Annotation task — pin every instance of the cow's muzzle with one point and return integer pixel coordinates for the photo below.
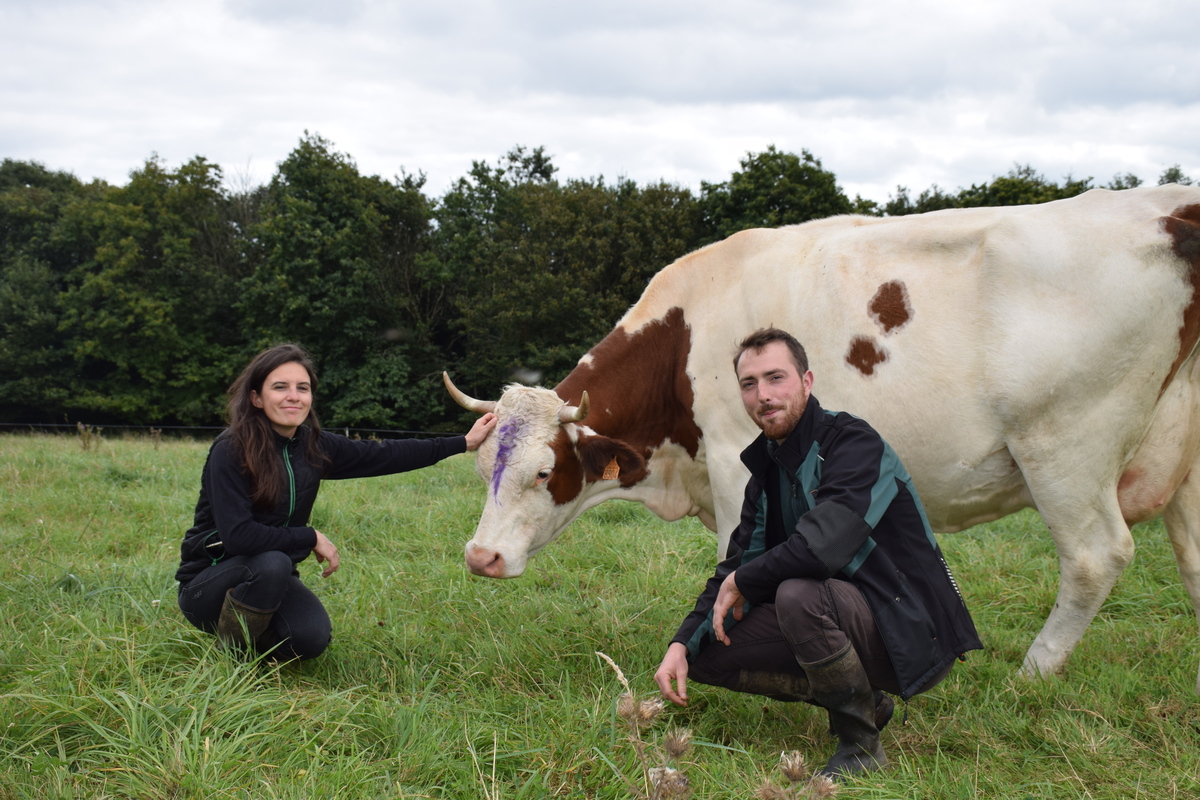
(482, 561)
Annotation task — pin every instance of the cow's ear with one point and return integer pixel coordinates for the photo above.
(609, 459)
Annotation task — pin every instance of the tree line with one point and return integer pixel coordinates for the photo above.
(139, 303)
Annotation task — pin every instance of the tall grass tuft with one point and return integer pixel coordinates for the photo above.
(439, 684)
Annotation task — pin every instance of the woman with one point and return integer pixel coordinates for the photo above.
(238, 576)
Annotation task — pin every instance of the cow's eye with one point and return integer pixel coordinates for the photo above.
(542, 476)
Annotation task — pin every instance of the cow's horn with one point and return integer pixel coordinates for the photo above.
(469, 403)
(575, 413)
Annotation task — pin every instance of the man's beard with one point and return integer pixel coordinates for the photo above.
(779, 426)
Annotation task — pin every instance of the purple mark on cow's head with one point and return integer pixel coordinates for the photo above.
(508, 434)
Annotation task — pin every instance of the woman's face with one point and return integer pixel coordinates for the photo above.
(286, 397)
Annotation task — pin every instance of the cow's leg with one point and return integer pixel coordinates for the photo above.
(1182, 518)
(1094, 548)
(727, 476)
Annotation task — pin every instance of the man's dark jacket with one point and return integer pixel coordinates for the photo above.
(853, 514)
(225, 524)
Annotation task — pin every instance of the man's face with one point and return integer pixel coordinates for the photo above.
(773, 390)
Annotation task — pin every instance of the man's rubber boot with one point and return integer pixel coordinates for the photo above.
(840, 684)
(885, 708)
(782, 686)
(239, 622)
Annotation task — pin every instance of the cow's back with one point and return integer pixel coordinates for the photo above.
(951, 332)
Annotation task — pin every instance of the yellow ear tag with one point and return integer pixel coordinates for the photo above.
(611, 471)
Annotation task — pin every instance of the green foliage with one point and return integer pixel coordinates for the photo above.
(146, 308)
(443, 685)
(932, 199)
(773, 188)
(1174, 174)
(140, 303)
(32, 352)
(115, 299)
(1021, 186)
(335, 266)
(544, 269)
(33, 266)
(1126, 181)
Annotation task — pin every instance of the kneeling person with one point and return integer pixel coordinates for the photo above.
(833, 590)
(238, 575)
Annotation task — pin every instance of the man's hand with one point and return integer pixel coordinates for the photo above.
(325, 551)
(727, 597)
(480, 430)
(674, 669)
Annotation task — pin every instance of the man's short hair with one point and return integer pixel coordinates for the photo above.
(763, 337)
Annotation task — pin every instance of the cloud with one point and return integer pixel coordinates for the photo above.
(911, 92)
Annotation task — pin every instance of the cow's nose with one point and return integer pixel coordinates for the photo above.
(482, 561)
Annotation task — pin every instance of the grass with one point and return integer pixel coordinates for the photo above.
(442, 685)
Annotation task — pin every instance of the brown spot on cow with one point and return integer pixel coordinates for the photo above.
(640, 393)
(567, 478)
(890, 307)
(1183, 226)
(864, 355)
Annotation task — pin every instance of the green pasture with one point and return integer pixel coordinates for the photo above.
(443, 685)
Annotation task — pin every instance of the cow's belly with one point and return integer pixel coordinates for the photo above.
(969, 491)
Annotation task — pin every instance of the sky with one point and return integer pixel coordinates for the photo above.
(900, 93)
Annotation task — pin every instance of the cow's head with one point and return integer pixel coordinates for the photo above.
(542, 468)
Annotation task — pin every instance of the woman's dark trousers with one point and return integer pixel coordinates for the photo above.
(299, 628)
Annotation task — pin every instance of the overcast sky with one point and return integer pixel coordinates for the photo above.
(884, 93)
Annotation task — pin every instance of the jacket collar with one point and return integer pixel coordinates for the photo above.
(300, 435)
(791, 454)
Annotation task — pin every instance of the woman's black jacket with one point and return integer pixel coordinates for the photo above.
(226, 525)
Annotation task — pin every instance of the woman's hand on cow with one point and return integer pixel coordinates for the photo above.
(672, 673)
(480, 430)
(326, 552)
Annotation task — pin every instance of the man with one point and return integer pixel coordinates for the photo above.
(833, 590)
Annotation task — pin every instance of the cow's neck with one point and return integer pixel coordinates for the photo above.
(638, 386)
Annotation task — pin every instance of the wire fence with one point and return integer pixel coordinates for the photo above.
(199, 431)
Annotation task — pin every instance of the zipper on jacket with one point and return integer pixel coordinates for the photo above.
(287, 462)
(799, 507)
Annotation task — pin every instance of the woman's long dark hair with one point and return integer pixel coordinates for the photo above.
(253, 437)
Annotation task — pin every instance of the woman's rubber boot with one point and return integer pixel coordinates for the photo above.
(840, 684)
(240, 623)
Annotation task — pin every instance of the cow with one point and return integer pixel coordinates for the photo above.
(1037, 356)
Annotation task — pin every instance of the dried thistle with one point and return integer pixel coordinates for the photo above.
(648, 711)
(660, 782)
(792, 766)
(627, 707)
(88, 436)
(669, 782)
(822, 787)
(677, 742)
(641, 713)
(769, 791)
